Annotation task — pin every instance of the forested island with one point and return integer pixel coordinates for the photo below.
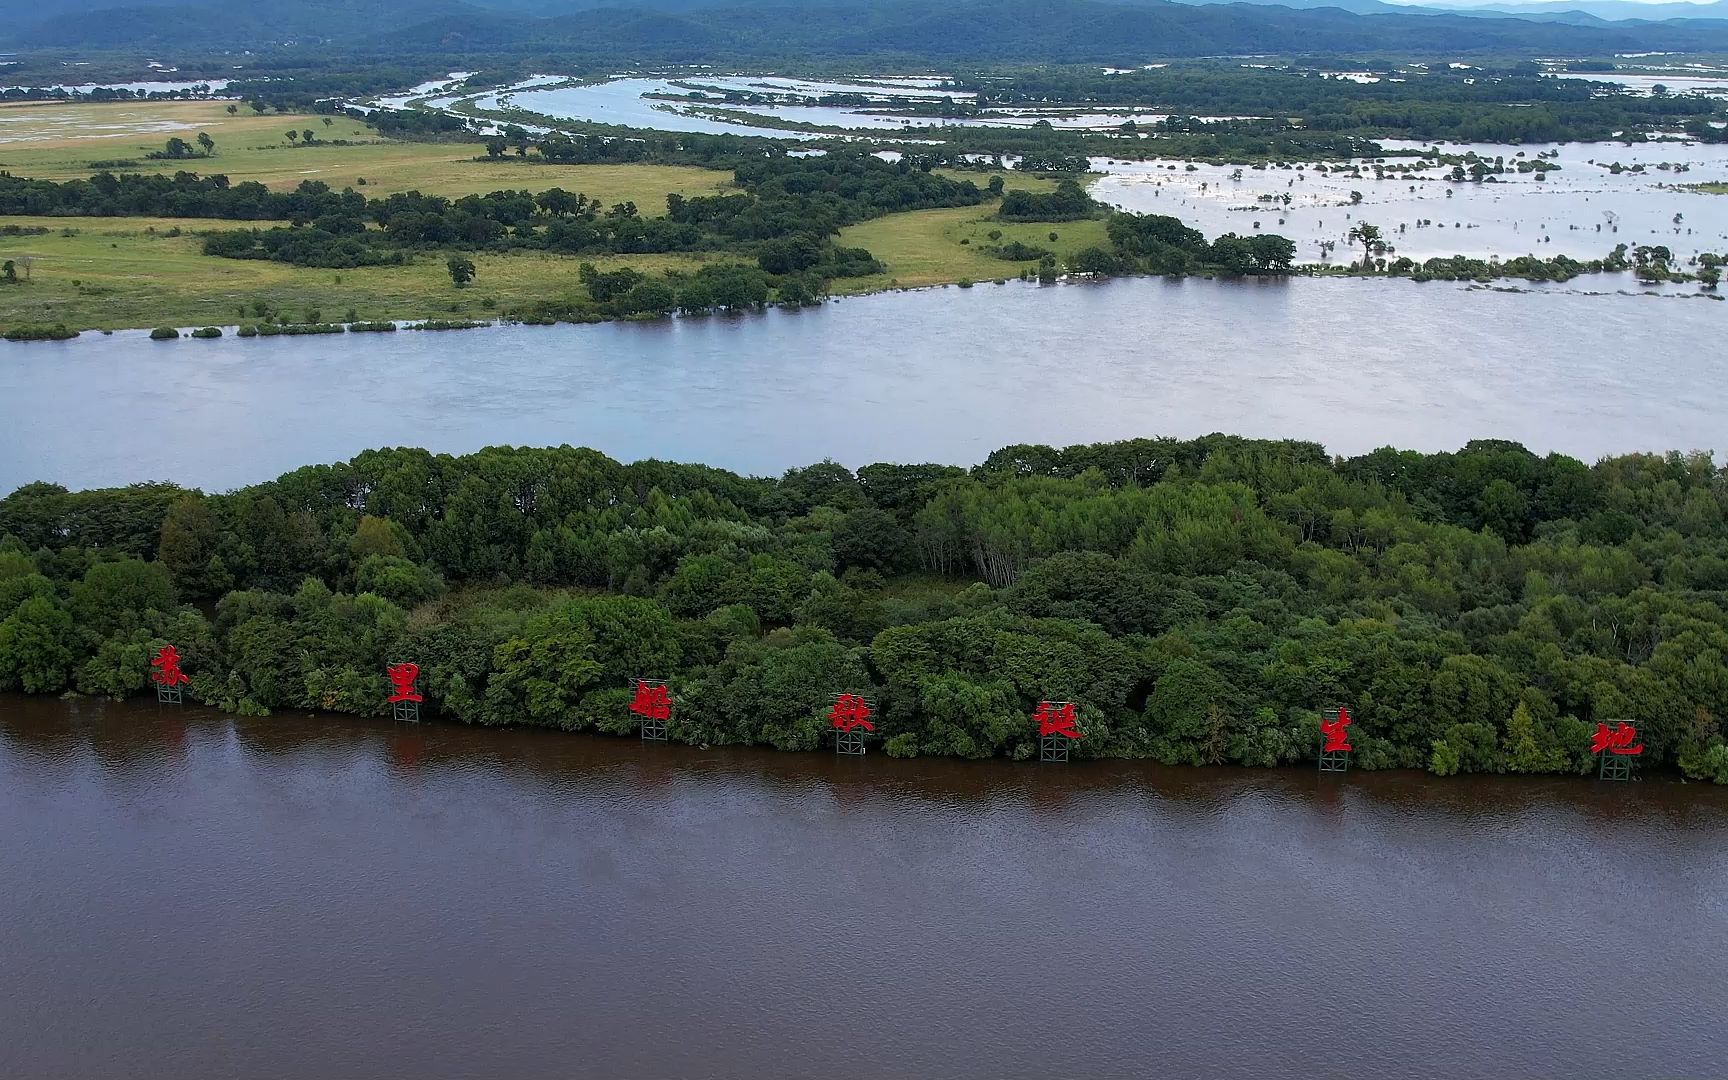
(1201, 600)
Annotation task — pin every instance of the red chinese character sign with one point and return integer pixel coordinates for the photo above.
(1615, 744)
(166, 674)
(1335, 739)
(1056, 729)
(849, 720)
(652, 703)
(404, 691)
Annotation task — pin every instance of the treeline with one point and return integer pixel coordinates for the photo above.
(1160, 244)
(1069, 202)
(786, 213)
(1201, 600)
(1514, 106)
(1063, 149)
(657, 147)
(184, 194)
(99, 94)
(1141, 243)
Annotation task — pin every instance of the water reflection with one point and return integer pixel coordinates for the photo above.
(119, 736)
(441, 901)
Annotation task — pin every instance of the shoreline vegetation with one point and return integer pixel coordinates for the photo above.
(1200, 601)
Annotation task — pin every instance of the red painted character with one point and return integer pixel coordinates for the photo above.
(1056, 719)
(1336, 731)
(850, 711)
(167, 665)
(651, 702)
(1616, 741)
(402, 678)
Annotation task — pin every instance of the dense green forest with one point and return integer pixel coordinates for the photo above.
(1200, 600)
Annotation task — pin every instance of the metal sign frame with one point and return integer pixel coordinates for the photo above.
(1616, 767)
(1053, 748)
(407, 712)
(652, 728)
(851, 743)
(1333, 761)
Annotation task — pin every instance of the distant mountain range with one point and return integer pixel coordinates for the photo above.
(1575, 12)
(676, 31)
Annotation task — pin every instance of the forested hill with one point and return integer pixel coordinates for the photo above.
(1020, 30)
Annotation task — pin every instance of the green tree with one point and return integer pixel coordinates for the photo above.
(1368, 236)
(189, 548)
(36, 647)
(461, 270)
(121, 595)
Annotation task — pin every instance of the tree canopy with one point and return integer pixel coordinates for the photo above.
(1200, 600)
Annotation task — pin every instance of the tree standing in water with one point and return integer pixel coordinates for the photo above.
(1367, 235)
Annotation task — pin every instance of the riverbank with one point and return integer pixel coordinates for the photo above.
(1193, 602)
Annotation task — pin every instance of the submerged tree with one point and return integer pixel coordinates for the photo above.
(1368, 236)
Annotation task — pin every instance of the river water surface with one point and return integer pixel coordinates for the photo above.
(186, 895)
(945, 375)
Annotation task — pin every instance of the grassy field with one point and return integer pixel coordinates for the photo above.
(924, 247)
(120, 273)
(57, 141)
(117, 273)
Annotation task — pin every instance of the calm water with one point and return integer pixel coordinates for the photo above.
(944, 375)
(185, 895)
(1581, 210)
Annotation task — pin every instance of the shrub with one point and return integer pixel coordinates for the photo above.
(40, 332)
(446, 324)
(164, 333)
(208, 332)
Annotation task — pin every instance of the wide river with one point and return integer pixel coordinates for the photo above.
(940, 375)
(186, 895)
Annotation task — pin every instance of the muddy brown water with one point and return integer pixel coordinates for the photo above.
(186, 894)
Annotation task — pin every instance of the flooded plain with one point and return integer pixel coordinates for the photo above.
(1582, 209)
